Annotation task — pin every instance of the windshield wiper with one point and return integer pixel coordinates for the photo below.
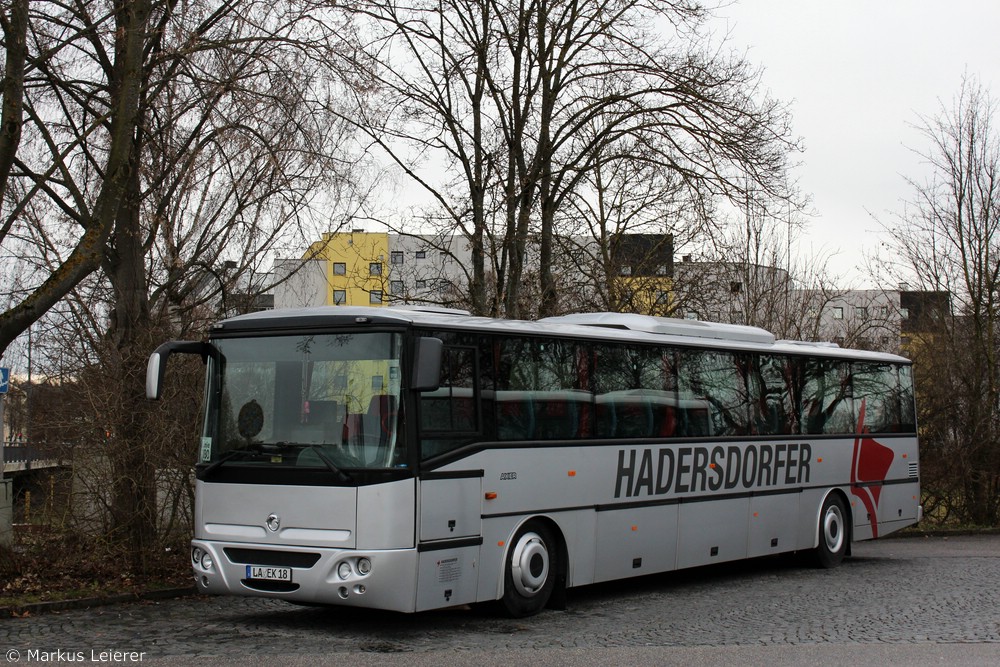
(231, 454)
(317, 449)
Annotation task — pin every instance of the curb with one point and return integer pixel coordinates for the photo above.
(942, 532)
(87, 603)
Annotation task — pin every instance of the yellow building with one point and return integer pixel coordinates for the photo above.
(356, 266)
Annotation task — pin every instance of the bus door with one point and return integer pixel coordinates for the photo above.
(450, 537)
(450, 496)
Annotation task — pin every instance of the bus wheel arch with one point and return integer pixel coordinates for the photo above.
(834, 530)
(534, 569)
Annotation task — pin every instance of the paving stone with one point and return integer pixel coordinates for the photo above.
(891, 591)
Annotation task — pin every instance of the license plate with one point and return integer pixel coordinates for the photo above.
(269, 573)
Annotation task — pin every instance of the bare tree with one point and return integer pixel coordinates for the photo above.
(502, 113)
(228, 145)
(948, 240)
(106, 112)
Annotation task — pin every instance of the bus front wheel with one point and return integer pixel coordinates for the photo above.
(530, 571)
(834, 533)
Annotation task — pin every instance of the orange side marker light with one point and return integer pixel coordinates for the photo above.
(491, 495)
(571, 473)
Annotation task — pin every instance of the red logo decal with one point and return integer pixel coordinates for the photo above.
(870, 464)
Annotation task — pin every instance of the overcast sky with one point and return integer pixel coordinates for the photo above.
(858, 75)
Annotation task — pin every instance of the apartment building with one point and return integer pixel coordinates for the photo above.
(373, 268)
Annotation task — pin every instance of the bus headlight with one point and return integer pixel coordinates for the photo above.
(202, 558)
(364, 566)
(344, 570)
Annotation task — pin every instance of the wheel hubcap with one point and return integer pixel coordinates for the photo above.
(529, 564)
(833, 529)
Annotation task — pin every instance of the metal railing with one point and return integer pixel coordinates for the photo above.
(27, 456)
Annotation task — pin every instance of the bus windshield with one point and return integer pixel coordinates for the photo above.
(317, 400)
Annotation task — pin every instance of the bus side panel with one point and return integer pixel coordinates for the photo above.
(774, 521)
(450, 508)
(447, 577)
(496, 533)
(386, 513)
(712, 531)
(898, 506)
(636, 541)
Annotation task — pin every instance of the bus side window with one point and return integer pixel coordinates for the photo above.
(515, 415)
(827, 403)
(907, 409)
(773, 404)
(878, 387)
(449, 414)
(717, 379)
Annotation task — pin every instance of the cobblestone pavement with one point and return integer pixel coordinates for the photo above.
(931, 590)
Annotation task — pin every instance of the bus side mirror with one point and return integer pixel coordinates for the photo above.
(427, 364)
(157, 365)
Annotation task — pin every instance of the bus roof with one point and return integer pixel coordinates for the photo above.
(623, 327)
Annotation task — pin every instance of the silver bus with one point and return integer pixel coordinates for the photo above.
(410, 459)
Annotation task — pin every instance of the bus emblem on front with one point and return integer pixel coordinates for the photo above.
(273, 522)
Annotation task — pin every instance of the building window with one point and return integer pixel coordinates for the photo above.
(838, 313)
(396, 257)
(378, 382)
(375, 296)
(375, 268)
(420, 254)
(691, 315)
(396, 287)
(339, 269)
(339, 297)
(861, 312)
(421, 284)
(625, 271)
(662, 298)
(735, 287)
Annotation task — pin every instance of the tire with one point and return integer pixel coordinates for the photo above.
(834, 532)
(530, 570)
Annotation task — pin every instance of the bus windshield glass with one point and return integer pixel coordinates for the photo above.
(317, 400)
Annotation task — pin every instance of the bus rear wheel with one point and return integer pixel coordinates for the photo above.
(834, 534)
(530, 571)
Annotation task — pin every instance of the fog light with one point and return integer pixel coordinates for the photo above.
(344, 570)
(364, 566)
(207, 562)
(196, 555)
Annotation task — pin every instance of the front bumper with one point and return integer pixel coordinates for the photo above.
(317, 574)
